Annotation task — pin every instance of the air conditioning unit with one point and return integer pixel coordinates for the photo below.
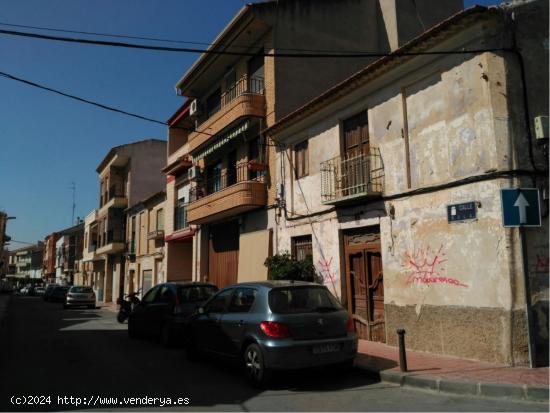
(194, 173)
(194, 108)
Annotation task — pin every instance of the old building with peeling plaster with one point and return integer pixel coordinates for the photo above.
(370, 170)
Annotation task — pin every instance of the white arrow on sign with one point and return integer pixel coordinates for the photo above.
(522, 204)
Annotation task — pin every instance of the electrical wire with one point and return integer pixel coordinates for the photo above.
(91, 102)
(157, 39)
(234, 53)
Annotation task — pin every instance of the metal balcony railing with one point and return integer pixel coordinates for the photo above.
(348, 177)
(245, 85)
(220, 180)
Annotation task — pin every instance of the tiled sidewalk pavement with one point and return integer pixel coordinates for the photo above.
(454, 375)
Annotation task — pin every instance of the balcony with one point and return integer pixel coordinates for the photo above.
(346, 179)
(113, 199)
(113, 244)
(227, 194)
(156, 234)
(245, 98)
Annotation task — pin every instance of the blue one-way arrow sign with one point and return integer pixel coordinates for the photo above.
(520, 207)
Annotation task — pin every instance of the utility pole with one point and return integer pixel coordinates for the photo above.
(73, 187)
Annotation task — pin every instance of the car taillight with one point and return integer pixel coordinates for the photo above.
(350, 327)
(275, 329)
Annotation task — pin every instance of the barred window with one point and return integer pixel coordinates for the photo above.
(302, 247)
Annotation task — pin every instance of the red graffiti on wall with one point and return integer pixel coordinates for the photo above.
(543, 263)
(325, 269)
(425, 266)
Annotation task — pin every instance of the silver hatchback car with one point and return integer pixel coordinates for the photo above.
(273, 325)
(79, 295)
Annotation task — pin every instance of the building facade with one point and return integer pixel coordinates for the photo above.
(146, 246)
(26, 262)
(392, 183)
(220, 165)
(128, 174)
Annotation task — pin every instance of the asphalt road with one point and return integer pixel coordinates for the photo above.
(53, 354)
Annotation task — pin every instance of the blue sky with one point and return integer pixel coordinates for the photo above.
(48, 141)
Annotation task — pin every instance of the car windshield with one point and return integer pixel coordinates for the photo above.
(196, 293)
(81, 290)
(293, 300)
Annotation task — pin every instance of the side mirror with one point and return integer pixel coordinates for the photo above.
(201, 310)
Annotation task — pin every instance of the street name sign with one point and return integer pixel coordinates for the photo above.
(520, 207)
(461, 212)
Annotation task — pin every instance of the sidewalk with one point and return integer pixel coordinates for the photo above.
(454, 375)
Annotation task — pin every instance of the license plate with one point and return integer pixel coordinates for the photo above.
(326, 348)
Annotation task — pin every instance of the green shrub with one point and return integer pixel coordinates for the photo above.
(285, 267)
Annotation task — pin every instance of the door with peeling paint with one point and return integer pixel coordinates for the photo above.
(365, 284)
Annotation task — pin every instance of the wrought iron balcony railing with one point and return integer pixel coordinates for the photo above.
(221, 180)
(345, 178)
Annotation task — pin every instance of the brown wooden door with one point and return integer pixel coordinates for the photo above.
(365, 283)
(354, 167)
(223, 254)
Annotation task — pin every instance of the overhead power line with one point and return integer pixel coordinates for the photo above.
(91, 102)
(154, 39)
(235, 53)
(83, 100)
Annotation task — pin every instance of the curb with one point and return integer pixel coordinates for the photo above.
(521, 392)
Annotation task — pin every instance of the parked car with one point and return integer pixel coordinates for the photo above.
(273, 325)
(79, 296)
(39, 291)
(48, 292)
(164, 308)
(58, 293)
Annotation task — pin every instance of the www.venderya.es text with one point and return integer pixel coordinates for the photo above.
(95, 400)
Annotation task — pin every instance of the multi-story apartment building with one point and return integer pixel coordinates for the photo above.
(68, 251)
(49, 258)
(26, 262)
(145, 244)
(219, 168)
(393, 184)
(128, 174)
(62, 249)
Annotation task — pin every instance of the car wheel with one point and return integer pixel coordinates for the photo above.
(256, 372)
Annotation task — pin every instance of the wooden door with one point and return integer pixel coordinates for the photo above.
(365, 282)
(223, 254)
(354, 167)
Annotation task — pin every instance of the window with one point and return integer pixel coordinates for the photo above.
(166, 295)
(133, 236)
(197, 293)
(181, 211)
(242, 300)
(160, 220)
(294, 300)
(219, 302)
(150, 296)
(301, 247)
(147, 280)
(301, 161)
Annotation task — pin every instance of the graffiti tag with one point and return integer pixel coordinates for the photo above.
(325, 270)
(543, 263)
(426, 266)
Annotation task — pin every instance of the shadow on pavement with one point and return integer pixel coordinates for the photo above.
(86, 354)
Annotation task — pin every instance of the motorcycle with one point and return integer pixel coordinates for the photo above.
(127, 306)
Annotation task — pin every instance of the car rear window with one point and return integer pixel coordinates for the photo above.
(81, 289)
(294, 300)
(196, 293)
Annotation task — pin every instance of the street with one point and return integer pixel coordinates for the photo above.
(57, 354)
